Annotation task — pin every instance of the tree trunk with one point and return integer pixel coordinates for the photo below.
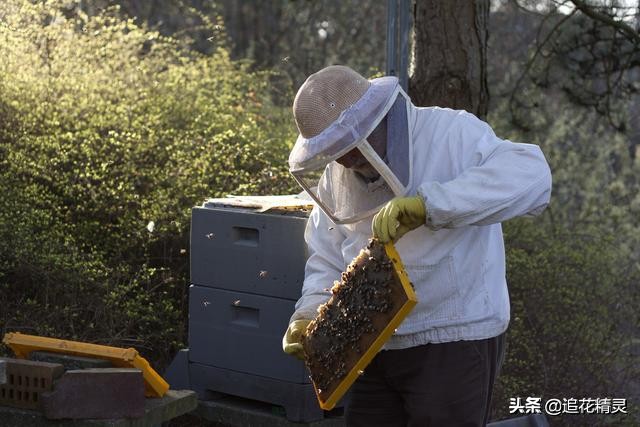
(449, 58)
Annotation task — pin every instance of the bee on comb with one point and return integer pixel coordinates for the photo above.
(369, 302)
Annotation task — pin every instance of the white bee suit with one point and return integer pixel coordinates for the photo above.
(470, 180)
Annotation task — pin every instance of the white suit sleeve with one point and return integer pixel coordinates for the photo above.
(495, 179)
(324, 265)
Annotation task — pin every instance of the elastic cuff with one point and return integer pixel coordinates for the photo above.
(428, 220)
(305, 314)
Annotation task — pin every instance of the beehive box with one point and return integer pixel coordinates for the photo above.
(270, 245)
(372, 298)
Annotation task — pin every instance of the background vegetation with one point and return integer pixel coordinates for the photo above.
(110, 133)
(112, 128)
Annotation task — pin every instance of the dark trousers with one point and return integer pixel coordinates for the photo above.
(446, 384)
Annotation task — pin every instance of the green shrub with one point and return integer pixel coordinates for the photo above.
(106, 127)
(573, 275)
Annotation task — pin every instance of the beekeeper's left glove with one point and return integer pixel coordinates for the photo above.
(398, 217)
(292, 340)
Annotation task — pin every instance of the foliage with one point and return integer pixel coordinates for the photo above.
(572, 276)
(589, 50)
(295, 38)
(572, 273)
(109, 134)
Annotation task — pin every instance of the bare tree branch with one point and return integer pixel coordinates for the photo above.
(627, 30)
(531, 61)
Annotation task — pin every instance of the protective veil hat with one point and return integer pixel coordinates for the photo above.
(324, 95)
(336, 110)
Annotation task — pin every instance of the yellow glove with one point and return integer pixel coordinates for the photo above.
(292, 340)
(398, 217)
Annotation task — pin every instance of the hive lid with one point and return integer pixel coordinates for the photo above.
(293, 202)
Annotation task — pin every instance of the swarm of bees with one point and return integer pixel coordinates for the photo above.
(350, 321)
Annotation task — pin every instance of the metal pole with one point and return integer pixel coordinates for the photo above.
(403, 67)
(398, 25)
(392, 13)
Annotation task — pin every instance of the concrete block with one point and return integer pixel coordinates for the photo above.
(70, 362)
(25, 381)
(232, 411)
(157, 412)
(96, 393)
(172, 405)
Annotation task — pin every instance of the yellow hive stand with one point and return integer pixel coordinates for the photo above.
(22, 345)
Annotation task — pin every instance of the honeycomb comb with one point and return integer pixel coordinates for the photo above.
(372, 298)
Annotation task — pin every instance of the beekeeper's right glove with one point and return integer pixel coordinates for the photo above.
(398, 217)
(292, 340)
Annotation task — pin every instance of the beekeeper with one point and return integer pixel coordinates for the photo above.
(438, 182)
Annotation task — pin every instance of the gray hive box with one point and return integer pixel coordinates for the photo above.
(247, 270)
(240, 250)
